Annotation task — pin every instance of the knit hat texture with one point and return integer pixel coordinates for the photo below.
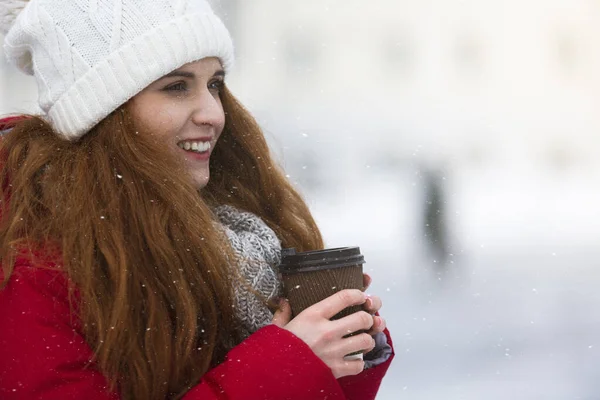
(91, 56)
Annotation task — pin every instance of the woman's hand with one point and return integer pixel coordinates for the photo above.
(325, 337)
(372, 306)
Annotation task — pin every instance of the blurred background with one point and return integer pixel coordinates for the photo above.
(457, 142)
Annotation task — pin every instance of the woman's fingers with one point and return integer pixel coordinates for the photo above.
(357, 321)
(366, 281)
(361, 342)
(379, 325)
(372, 304)
(343, 367)
(283, 315)
(337, 302)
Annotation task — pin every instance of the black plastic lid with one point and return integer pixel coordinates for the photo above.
(292, 262)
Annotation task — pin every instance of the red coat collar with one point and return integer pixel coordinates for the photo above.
(10, 122)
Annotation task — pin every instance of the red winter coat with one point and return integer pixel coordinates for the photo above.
(43, 354)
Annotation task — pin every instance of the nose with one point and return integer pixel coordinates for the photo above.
(208, 110)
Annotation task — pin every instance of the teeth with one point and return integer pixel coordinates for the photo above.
(198, 147)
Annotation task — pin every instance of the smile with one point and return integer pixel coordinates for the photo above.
(196, 147)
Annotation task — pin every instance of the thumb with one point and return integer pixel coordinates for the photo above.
(283, 315)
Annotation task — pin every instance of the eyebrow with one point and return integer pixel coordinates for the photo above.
(190, 75)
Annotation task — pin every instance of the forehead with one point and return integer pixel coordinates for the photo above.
(205, 66)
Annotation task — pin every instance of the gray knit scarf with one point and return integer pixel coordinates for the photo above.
(259, 251)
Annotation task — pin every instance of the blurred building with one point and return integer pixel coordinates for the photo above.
(501, 96)
(456, 77)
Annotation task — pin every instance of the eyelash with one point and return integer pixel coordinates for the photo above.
(177, 87)
(182, 86)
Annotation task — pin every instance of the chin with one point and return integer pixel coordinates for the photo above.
(201, 181)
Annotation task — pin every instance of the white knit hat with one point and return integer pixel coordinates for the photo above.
(91, 56)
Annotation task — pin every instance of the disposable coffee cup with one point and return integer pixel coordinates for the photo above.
(312, 276)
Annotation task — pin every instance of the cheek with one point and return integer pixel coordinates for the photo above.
(159, 117)
(221, 120)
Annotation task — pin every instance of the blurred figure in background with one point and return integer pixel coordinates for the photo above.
(434, 218)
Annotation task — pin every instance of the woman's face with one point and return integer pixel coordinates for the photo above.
(184, 106)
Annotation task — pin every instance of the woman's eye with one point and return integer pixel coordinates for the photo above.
(216, 85)
(177, 87)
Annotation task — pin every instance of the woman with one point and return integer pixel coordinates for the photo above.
(128, 273)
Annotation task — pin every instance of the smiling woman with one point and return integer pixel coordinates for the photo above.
(142, 220)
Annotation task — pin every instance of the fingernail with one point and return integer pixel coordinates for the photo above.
(369, 302)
